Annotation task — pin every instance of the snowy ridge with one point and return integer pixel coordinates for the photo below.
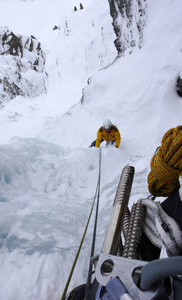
(87, 40)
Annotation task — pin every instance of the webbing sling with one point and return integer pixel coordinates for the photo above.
(161, 229)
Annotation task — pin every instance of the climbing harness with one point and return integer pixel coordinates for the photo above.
(120, 272)
(97, 193)
(128, 266)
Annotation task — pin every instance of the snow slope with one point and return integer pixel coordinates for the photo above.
(48, 175)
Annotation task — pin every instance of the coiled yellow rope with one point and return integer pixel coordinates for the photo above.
(166, 164)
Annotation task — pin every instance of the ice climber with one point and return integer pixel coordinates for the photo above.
(109, 133)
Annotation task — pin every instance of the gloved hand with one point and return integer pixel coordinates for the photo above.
(116, 147)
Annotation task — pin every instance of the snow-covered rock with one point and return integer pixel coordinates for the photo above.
(129, 18)
(21, 66)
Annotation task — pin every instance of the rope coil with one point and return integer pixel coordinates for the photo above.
(166, 164)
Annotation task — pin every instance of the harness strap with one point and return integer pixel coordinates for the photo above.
(110, 135)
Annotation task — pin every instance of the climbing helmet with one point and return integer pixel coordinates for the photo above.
(107, 124)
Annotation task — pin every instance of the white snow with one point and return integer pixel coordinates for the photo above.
(48, 173)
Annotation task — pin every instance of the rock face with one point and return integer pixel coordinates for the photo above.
(21, 66)
(129, 18)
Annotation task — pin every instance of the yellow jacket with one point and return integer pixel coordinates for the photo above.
(110, 136)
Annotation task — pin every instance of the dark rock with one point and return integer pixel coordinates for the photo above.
(179, 86)
(129, 19)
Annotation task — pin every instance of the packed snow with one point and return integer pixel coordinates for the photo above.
(48, 173)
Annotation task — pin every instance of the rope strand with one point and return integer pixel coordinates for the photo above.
(88, 286)
(83, 237)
